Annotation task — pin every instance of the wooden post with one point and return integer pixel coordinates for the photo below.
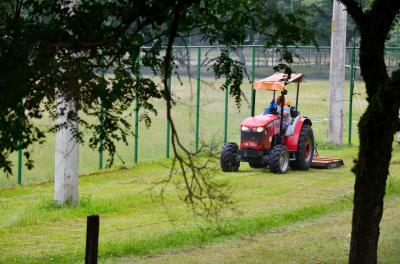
(92, 239)
(337, 73)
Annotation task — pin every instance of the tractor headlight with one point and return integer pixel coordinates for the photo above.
(246, 129)
(259, 129)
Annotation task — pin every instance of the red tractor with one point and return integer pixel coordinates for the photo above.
(263, 141)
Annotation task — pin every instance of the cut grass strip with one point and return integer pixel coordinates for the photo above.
(323, 240)
(196, 236)
(237, 228)
(190, 237)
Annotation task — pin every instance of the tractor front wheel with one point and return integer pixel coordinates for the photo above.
(229, 162)
(305, 149)
(279, 159)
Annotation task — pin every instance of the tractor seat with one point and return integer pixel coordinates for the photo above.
(292, 126)
(293, 112)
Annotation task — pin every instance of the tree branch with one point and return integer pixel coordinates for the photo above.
(204, 196)
(18, 8)
(383, 13)
(355, 10)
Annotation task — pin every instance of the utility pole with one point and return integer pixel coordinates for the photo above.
(66, 149)
(337, 73)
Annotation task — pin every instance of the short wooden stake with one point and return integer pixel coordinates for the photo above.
(92, 239)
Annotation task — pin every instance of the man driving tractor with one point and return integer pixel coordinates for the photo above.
(275, 107)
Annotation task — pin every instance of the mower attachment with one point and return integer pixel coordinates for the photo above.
(325, 162)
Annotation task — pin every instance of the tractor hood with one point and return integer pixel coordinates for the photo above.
(259, 120)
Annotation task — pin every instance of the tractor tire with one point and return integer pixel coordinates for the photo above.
(279, 159)
(256, 164)
(228, 157)
(305, 151)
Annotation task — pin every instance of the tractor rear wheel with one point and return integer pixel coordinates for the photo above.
(228, 158)
(279, 159)
(305, 150)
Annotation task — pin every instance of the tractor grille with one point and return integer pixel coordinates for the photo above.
(252, 136)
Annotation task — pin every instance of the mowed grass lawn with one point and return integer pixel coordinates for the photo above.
(299, 217)
(274, 218)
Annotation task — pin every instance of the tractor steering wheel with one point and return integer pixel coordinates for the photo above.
(273, 111)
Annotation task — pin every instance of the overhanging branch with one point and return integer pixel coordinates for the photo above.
(383, 13)
(355, 10)
(204, 196)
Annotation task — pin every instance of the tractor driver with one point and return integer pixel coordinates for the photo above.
(272, 108)
(286, 112)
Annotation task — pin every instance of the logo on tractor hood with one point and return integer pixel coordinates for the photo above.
(249, 143)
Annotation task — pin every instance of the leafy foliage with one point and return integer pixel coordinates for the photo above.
(50, 48)
(233, 71)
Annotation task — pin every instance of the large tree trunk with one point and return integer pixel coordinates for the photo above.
(376, 127)
(371, 169)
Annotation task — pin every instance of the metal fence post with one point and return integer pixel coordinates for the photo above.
(353, 55)
(19, 173)
(168, 138)
(297, 95)
(189, 49)
(226, 108)
(253, 68)
(102, 126)
(136, 133)
(198, 97)
(101, 140)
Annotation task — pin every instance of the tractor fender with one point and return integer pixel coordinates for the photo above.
(292, 141)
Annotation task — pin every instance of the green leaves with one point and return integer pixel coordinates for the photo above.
(233, 72)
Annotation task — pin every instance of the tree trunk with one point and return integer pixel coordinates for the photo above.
(66, 149)
(337, 73)
(376, 127)
(371, 169)
(66, 153)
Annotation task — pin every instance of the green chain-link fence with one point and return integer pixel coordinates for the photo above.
(204, 114)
